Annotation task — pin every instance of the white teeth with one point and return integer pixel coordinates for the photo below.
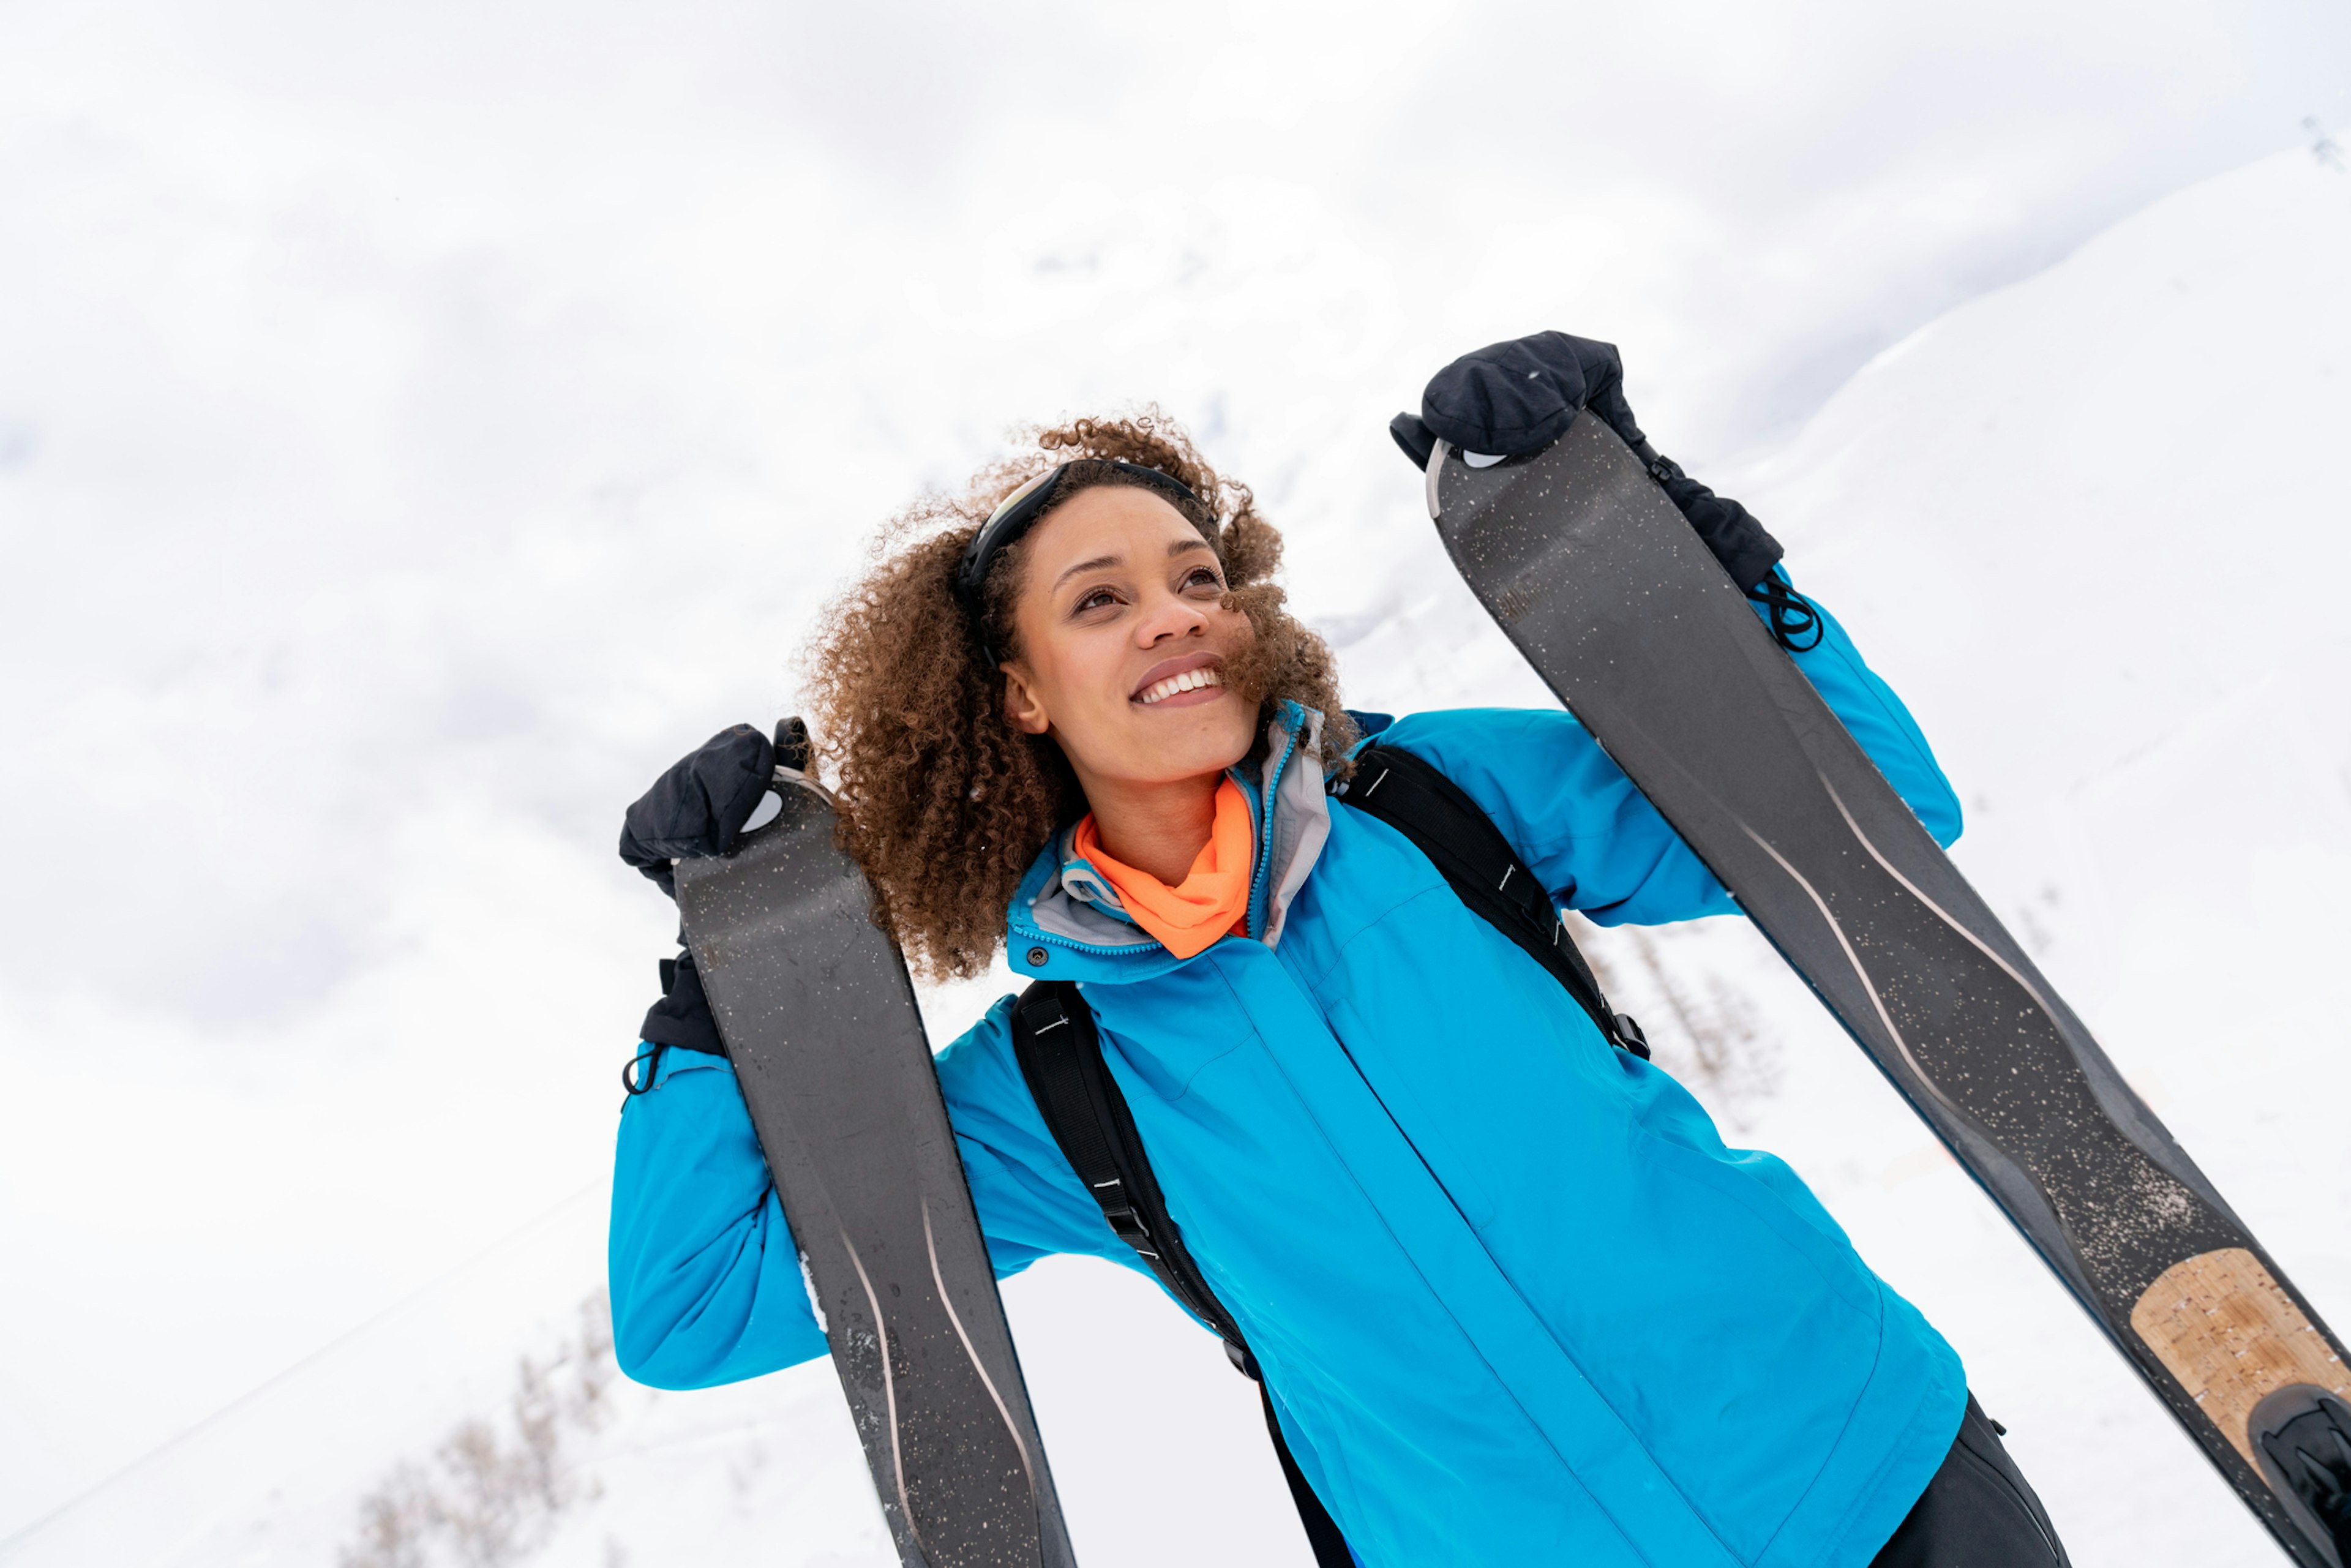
(1190, 680)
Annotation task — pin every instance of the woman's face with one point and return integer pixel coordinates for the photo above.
(1122, 637)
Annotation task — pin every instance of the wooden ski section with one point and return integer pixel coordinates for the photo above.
(2226, 1330)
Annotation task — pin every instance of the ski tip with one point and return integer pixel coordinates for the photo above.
(1437, 452)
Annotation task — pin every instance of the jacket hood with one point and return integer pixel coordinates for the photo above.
(1066, 923)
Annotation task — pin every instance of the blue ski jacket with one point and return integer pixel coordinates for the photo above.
(1515, 1300)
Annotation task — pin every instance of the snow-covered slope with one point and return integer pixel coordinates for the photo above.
(2087, 525)
(2091, 528)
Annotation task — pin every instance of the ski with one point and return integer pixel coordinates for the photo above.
(1586, 565)
(818, 1014)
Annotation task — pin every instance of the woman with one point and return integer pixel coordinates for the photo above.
(1514, 1300)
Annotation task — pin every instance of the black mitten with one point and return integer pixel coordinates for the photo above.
(1520, 396)
(697, 809)
(699, 806)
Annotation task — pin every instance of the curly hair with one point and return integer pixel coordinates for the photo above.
(942, 800)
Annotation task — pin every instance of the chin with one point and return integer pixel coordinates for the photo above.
(1229, 752)
(1212, 752)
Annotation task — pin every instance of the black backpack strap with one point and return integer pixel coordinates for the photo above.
(1059, 1051)
(1411, 795)
(1323, 1533)
(1060, 1056)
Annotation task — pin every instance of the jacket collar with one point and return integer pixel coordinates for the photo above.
(1066, 924)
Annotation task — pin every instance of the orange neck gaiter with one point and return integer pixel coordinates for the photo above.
(1214, 898)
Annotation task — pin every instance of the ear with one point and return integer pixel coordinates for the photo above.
(1023, 707)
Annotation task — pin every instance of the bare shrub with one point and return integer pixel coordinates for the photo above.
(496, 1490)
(394, 1521)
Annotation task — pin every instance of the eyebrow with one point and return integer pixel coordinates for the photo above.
(1179, 547)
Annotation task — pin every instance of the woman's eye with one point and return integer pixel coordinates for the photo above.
(1206, 578)
(1094, 600)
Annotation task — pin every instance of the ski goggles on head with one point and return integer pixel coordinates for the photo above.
(1017, 512)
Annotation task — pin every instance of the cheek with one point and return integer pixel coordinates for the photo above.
(1078, 674)
(1054, 652)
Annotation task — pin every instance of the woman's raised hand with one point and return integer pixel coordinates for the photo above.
(699, 806)
(1510, 398)
(1517, 397)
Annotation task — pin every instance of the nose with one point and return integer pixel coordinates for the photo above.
(1167, 617)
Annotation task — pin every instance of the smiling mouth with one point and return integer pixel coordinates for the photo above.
(1177, 685)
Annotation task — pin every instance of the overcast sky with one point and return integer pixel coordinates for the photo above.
(419, 424)
(473, 400)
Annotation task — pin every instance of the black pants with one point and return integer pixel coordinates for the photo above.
(1977, 1512)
